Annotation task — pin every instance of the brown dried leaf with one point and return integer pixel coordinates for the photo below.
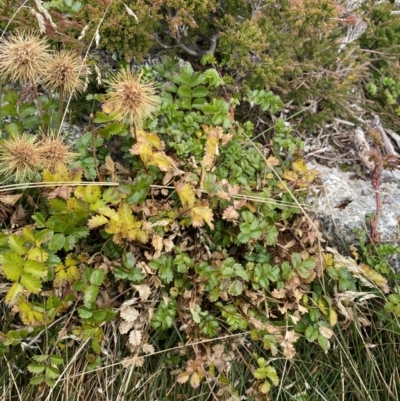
(10, 200)
(157, 242)
(326, 332)
(129, 314)
(148, 348)
(278, 294)
(195, 380)
(60, 192)
(230, 214)
(135, 338)
(133, 361)
(143, 290)
(125, 326)
(183, 377)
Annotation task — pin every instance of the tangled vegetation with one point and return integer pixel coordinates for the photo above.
(172, 242)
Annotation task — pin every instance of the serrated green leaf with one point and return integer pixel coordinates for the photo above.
(52, 372)
(12, 265)
(44, 236)
(37, 380)
(102, 118)
(90, 295)
(129, 260)
(200, 91)
(17, 244)
(185, 92)
(113, 129)
(40, 358)
(27, 233)
(35, 268)
(36, 369)
(31, 283)
(56, 360)
(57, 242)
(236, 288)
(84, 313)
(40, 220)
(97, 277)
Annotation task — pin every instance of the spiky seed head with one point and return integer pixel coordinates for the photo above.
(67, 72)
(19, 155)
(55, 153)
(24, 57)
(129, 99)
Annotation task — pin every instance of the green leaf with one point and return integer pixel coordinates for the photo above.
(236, 288)
(40, 358)
(56, 359)
(97, 277)
(200, 91)
(35, 268)
(44, 236)
(271, 234)
(17, 244)
(84, 313)
(311, 333)
(40, 220)
(52, 372)
(102, 118)
(37, 380)
(129, 260)
(112, 195)
(12, 265)
(113, 129)
(57, 242)
(90, 295)
(185, 92)
(31, 283)
(36, 369)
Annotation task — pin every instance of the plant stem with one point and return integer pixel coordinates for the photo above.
(93, 133)
(39, 105)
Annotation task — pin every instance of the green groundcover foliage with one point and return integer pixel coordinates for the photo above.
(177, 223)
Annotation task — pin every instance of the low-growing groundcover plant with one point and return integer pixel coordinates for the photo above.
(188, 267)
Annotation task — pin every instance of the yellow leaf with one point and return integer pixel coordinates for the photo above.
(107, 211)
(186, 194)
(201, 214)
(90, 193)
(195, 380)
(13, 293)
(162, 161)
(151, 138)
(332, 317)
(183, 377)
(97, 221)
(265, 387)
(375, 278)
(211, 147)
(299, 166)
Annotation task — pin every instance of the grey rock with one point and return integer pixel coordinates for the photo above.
(343, 203)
